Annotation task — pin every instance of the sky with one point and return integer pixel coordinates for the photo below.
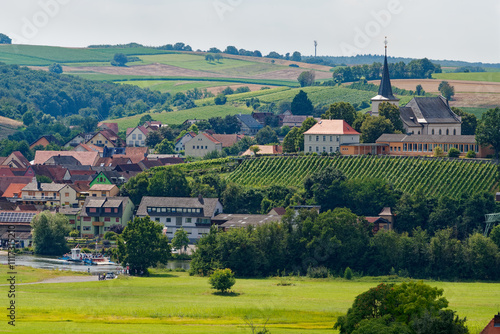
(437, 29)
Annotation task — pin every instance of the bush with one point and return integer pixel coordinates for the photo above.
(453, 153)
(470, 154)
(317, 272)
(348, 273)
(222, 280)
(74, 234)
(56, 68)
(220, 99)
(110, 235)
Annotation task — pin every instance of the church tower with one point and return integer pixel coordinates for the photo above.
(385, 89)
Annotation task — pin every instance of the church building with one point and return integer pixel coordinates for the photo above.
(422, 115)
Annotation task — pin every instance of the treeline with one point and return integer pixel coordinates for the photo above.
(23, 90)
(416, 69)
(325, 244)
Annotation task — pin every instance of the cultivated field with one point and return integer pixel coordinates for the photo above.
(171, 302)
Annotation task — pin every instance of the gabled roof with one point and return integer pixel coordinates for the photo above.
(431, 110)
(227, 140)
(207, 204)
(331, 127)
(88, 148)
(103, 202)
(249, 121)
(212, 139)
(403, 138)
(4, 172)
(50, 138)
(141, 128)
(102, 187)
(62, 160)
(112, 126)
(14, 190)
(129, 168)
(34, 186)
(135, 154)
(21, 158)
(55, 173)
(85, 158)
(7, 180)
(147, 164)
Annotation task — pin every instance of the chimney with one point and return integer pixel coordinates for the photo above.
(200, 199)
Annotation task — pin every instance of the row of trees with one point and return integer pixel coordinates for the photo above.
(415, 69)
(339, 239)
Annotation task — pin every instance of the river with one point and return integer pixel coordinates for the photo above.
(52, 263)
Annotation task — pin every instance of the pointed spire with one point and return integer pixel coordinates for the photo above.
(385, 88)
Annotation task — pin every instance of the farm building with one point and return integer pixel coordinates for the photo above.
(328, 135)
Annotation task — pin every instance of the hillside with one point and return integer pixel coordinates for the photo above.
(435, 176)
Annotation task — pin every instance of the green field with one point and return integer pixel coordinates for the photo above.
(178, 117)
(174, 87)
(171, 302)
(435, 176)
(37, 55)
(471, 76)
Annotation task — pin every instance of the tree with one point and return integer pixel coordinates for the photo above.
(469, 121)
(495, 235)
(220, 99)
(180, 240)
(341, 110)
(143, 245)
(419, 90)
(210, 58)
(218, 57)
(391, 112)
(306, 78)
(374, 127)
(228, 91)
(488, 130)
(290, 139)
(144, 119)
(446, 90)
(29, 118)
(296, 56)
(222, 280)
(4, 39)
(266, 135)
(119, 59)
(405, 305)
(232, 50)
(301, 105)
(56, 68)
(153, 138)
(49, 231)
(169, 182)
(255, 149)
(165, 147)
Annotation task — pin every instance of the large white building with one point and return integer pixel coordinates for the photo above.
(328, 135)
(194, 215)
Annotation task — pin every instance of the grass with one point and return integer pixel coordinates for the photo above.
(178, 303)
(29, 275)
(174, 87)
(471, 76)
(38, 55)
(178, 117)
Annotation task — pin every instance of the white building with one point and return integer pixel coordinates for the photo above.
(328, 135)
(194, 215)
(137, 136)
(202, 144)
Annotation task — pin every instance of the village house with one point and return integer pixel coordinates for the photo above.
(99, 213)
(106, 138)
(328, 135)
(45, 141)
(85, 158)
(15, 160)
(137, 136)
(180, 144)
(248, 125)
(202, 144)
(103, 190)
(48, 194)
(194, 215)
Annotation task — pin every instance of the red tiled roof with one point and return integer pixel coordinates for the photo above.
(6, 172)
(332, 127)
(211, 138)
(227, 140)
(112, 126)
(85, 158)
(135, 154)
(14, 190)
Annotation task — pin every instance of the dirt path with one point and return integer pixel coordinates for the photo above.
(62, 279)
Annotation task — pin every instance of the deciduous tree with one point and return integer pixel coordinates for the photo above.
(306, 78)
(49, 232)
(488, 130)
(341, 110)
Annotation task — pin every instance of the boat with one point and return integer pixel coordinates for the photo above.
(75, 255)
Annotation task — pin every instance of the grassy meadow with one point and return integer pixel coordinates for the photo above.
(172, 302)
(471, 76)
(178, 117)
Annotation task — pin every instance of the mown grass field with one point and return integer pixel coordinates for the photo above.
(437, 177)
(174, 87)
(178, 117)
(171, 302)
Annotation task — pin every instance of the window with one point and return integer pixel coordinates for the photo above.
(317, 148)
(107, 210)
(324, 138)
(399, 148)
(103, 194)
(317, 138)
(425, 147)
(169, 220)
(188, 220)
(133, 136)
(157, 219)
(331, 149)
(66, 194)
(415, 147)
(454, 132)
(420, 147)
(117, 220)
(107, 219)
(86, 228)
(440, 133)
(447, 132)
(163, 209)
(432, 131)
(461, 147)
(116, 210)
(446, 147)
(139, 136)
(86, 219)
(193, 147)
(338, 138)
(310, 149)
(331, 138)
(466, 148)
(324, 149)
(405, 147)
(93, 210)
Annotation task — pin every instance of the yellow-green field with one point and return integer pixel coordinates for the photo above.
(171, 302)
(471, 76)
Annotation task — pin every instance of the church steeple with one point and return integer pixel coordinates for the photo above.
(385, 89)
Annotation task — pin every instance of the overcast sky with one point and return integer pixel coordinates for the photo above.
(437, 29)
